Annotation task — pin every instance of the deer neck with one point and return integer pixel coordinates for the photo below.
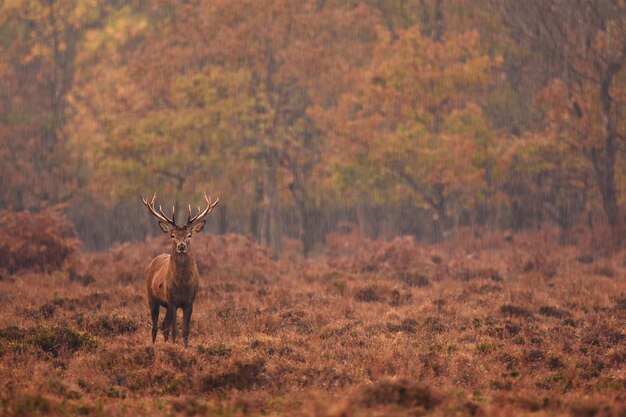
(182, 264)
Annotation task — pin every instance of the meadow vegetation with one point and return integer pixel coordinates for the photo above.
(484, 324)
(422, 206)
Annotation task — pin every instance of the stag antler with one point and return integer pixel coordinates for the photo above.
(210, 206)
(160, 215)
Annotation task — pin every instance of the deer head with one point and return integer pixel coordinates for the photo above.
(181, 234)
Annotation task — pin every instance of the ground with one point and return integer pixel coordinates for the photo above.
(484, 325)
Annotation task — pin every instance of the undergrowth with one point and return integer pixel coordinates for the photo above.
(483, 325)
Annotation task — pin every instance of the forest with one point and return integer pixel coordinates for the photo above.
(397, 117)
(422, 206)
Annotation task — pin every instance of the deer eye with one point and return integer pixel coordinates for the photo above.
(173, 236)
(189, 235)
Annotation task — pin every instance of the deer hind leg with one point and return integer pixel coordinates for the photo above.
(154, 312)
(165, 325)
(187, 310)
(170, 321)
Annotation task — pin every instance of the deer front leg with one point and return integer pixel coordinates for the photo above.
(165, 327)
(187, 310)
(171, 309)
(170, 322)
(154, 312)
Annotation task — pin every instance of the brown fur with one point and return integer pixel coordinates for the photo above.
(172, 282)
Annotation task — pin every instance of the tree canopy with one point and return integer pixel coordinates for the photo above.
(408, 116)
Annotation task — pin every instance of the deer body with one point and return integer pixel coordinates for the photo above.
(172, 281)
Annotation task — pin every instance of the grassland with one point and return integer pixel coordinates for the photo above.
(482, 325)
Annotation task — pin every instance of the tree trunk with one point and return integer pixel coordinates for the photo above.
(309, 217)
(307, 213)
(605, 177)
(441, 223)
(256, 214)
(307, 232)
(609, 201)
(366, 222)
(273, 208)
(222, 213)
(180, 185)
(603, 159)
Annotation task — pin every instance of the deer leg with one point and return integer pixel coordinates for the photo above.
(187, 310)
(165, 325)
(154, 312)
(171, 311)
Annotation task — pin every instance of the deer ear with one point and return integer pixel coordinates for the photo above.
(199, 226)
(167, 228)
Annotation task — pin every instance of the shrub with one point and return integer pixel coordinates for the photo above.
(356, 254)
(413, 279)
(244, 377)
(550, 311)
(369, 294)
(40, 241)
(401, 393)
(515, 311)
(52, 340)
(111, 326)
(407, 325)
(29, 405)
(219, 349)
(84, 280)
(224, 255)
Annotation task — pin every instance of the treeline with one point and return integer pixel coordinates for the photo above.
(304, 117)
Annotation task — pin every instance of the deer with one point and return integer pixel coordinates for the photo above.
(172, 280)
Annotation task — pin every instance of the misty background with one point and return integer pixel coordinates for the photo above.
(398, 117)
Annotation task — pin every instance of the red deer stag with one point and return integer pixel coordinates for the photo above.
(172, 280)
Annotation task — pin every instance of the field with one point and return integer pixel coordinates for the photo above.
(486, 324)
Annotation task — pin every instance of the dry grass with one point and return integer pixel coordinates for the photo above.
(483, 325)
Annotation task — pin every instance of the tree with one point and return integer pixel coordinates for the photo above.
(158, 122)
(299, 56)
(543, 181)
(213, 85)
(582, 46)
(415, 124)
(37, 50)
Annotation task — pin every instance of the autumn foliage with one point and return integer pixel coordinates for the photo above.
(421, 206)
(229, 254)
(41, 241)
(481, 323)
(405, 117)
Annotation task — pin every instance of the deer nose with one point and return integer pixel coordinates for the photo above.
(182, 247)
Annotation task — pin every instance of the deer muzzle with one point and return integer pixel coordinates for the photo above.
(181, 247)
